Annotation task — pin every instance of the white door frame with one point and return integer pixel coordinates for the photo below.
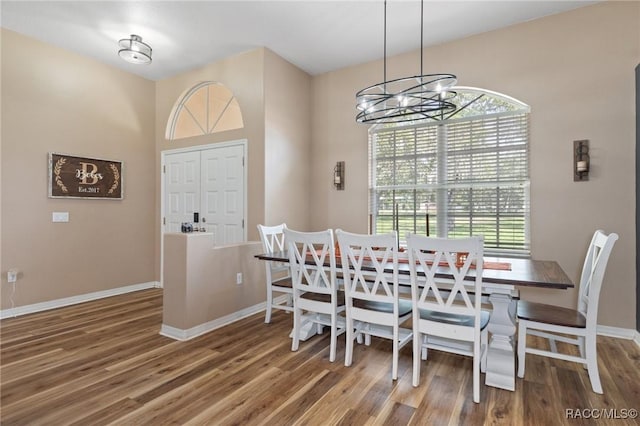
(163, 154)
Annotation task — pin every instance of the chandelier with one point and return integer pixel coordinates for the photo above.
(408, 98)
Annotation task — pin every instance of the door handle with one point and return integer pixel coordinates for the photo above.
(204, 219)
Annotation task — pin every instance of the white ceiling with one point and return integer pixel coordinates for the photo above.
(317, 36)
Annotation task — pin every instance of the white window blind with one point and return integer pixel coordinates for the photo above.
(460, 177)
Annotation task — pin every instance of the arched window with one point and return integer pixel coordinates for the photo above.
(206, 108)
(466, 173)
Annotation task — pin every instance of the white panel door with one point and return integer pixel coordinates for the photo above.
(222, 180)
(182, 189)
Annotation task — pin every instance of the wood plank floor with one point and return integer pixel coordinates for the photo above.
(103, 362)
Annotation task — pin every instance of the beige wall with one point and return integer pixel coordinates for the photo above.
(576, 71)
(287, 143)
(274, 97)
(54, 100)
(121, 116)
(243, 75)
(2, 269)
(200, 280)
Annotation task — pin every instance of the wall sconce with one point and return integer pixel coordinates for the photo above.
(581, 160)
(338, 176)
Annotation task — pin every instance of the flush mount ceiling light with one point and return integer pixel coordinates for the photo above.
(134, 50)
(425, 96)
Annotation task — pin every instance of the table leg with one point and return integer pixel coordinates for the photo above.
(501, 353)
(307, 331)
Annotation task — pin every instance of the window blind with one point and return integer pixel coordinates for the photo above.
(459, 177)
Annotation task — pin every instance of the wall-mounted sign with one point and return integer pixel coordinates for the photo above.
(80, 177)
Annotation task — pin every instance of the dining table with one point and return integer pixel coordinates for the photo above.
(501, 279)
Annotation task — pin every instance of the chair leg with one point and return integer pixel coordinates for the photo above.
(424, 351)
(581, 349)
(522, 346)
(592, 362)
(334, 339)
(416, 357)
(394, 364)
(295, 341)
(348, 352)
(367, 336)
(476, 372)
(267, 317)
(484, 349)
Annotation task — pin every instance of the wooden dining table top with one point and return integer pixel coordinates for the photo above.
(523, 272)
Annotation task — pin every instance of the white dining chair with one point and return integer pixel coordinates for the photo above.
(278, 278)
(580, 324)
(316, 296)
(447, 315)
(373, 306)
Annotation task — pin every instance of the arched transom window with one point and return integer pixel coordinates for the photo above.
(206, 108)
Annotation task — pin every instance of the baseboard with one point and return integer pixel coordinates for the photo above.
(67, 301)
(180, 334)
(190, 333)
(621, 333)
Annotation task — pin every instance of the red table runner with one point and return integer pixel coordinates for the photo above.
(500, 266)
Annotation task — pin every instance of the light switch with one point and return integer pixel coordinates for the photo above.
(60, 217)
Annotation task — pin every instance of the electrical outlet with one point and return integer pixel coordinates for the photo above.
(239, 278)
(12, 276)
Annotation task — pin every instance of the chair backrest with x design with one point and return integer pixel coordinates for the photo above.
(432, 255)
(364, 259)
(273, 240)
(272, 237)
(309, 254)
(595, 264)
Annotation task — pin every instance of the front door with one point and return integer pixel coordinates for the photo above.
(211, 183)
(182, 189)
(222, 171)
